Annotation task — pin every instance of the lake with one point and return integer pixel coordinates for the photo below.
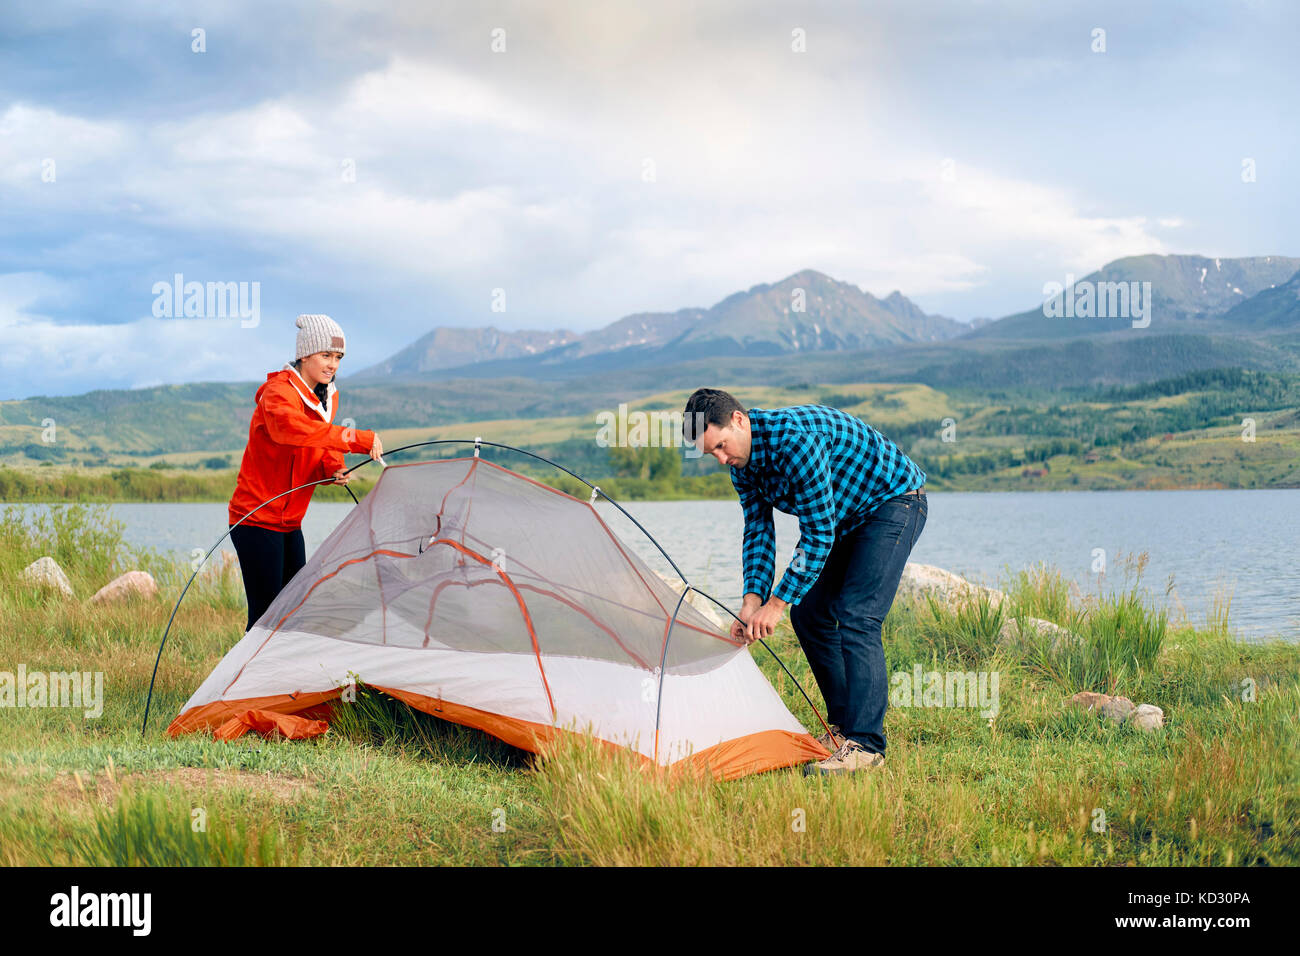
(1199, 543)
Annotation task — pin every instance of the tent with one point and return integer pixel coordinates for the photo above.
(491, 600)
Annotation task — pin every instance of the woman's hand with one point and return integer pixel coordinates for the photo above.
(341, 477)
(377, 449)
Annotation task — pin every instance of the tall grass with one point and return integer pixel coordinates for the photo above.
(1219, 612)
(89, 545)
(378, 720)
(83, 539)
(968, 633)
(147, 830)
(1120, 641)
(606, 808)
(122, 484)
(1042, 592)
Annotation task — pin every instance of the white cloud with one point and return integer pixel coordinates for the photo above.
(524, 170)
(45, 357)
(408, 94)
(30, 135)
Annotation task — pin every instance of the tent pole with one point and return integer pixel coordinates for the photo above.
(774, 657)
(163, 643)
(478, 442)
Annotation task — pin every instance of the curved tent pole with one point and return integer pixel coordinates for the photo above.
(692, 587)
(477, 443)
(663, 664)
(163, 643)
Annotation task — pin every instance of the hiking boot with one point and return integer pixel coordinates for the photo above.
(851, 756)
(831, 744)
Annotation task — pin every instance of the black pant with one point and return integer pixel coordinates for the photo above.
(268, 560)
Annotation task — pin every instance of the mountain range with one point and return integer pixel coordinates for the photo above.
(805, 312)
(1206, 314)
(1187, 294)
(810, 312)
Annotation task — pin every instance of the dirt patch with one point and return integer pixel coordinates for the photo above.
(103, 788)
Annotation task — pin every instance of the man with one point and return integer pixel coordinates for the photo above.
(861, 506)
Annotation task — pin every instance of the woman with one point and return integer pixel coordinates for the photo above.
(291, 441)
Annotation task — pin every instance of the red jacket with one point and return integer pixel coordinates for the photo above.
(290, 442)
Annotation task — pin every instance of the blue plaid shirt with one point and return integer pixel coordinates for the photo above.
(827, 468)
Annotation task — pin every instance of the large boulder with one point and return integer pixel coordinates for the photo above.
(125, 586)
(951, 590)
(1020, 633)
(46, 575)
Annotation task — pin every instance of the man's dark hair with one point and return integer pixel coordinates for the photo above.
(705, 407)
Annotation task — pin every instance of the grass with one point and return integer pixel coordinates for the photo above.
(153, 830)
(388, 785)
(966, 634)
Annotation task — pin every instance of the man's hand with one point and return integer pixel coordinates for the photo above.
(762, 622)
(341, 477)
(750, 604)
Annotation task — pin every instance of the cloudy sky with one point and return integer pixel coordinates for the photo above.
(395, 164)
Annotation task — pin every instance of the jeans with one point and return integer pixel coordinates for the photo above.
(838, 620)
(268, 560)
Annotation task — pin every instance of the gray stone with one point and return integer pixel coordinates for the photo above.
(1117, 709)
(1109, 707)
(45, 574)
(1147, 717)
(1023, 631)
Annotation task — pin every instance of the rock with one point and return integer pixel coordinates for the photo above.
(1088, 700)
(1147, 717)
(698, 601)
(1111, 708)
(949, 589)
(1117, 709)
(124, 586)
(45, 573)
(1018, 632)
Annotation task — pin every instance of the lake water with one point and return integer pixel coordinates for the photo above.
(1199, 543)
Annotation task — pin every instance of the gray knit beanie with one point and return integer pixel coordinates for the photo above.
(318, 333)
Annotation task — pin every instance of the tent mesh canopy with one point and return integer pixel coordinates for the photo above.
(494, 601)
(464, 554)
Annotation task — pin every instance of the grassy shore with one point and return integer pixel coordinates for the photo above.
(1224, 428)
(1216, 786)
(102, 486)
